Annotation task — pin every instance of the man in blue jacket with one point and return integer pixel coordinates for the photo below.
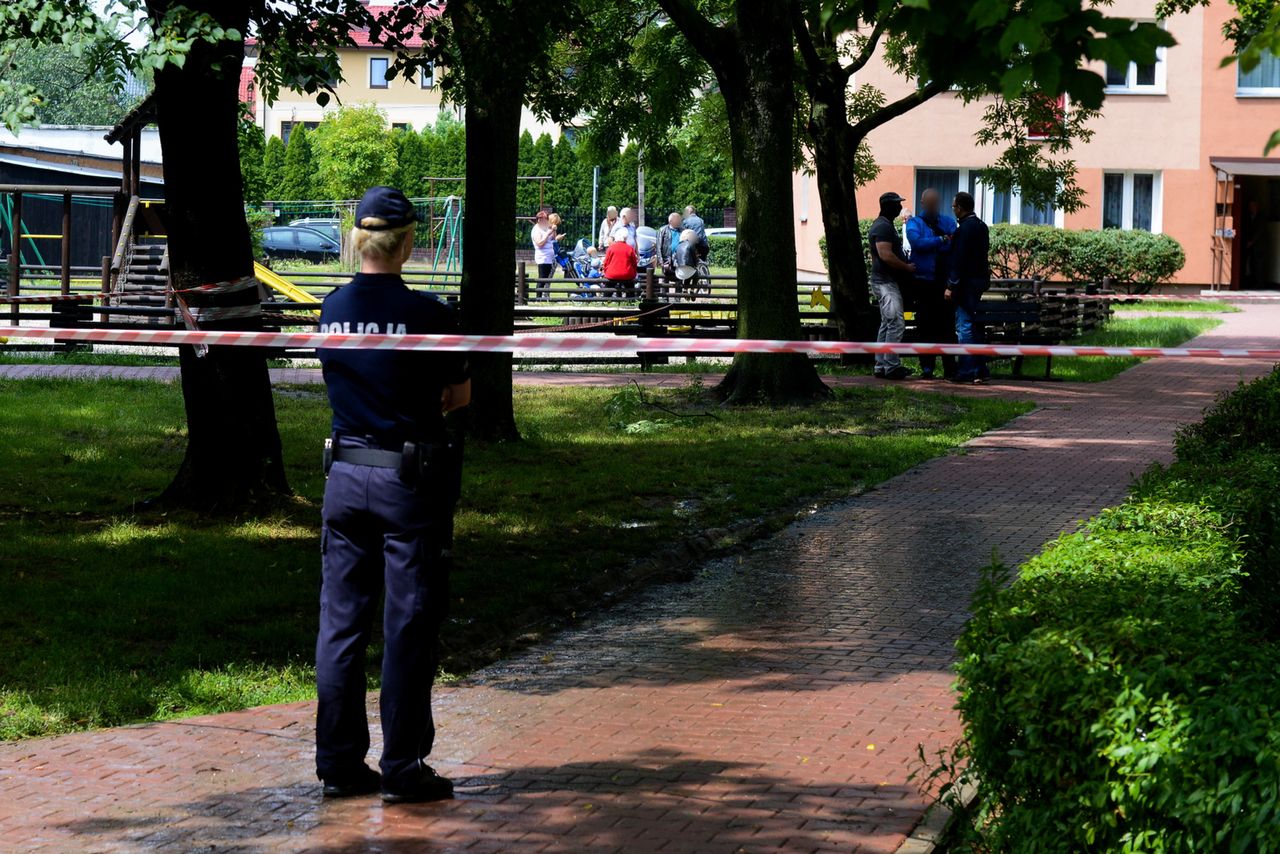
(929, 234)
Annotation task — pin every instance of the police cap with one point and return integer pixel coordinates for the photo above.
(388, 204)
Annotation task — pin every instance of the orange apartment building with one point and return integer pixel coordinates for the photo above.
(1177, 150)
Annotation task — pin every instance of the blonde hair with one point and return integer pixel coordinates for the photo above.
(383, 244)
(554, 219)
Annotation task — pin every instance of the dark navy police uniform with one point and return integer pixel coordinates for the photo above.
(385, 528)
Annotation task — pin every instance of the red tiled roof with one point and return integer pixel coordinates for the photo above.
(361, 36)
(248, 88)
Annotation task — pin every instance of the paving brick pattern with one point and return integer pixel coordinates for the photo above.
(776, 702)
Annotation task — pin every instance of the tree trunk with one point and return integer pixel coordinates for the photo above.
(233, 445)
(494, 97)
(757, 81)
(833, 149)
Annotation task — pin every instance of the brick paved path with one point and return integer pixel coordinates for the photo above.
(774, 703)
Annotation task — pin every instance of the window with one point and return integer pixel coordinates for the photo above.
(378, 66)
(1131, 201)
(1263, 81)
(311, 241)
(280, 238)
(994, 206)
(1135, 79)
(427, 76)
(400, 126)
(1051, 127)
(286, 128)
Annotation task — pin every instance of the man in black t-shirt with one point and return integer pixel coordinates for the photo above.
(888, 264)
(393, 479)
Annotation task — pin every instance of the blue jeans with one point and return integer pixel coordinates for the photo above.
(968, 331)
(892, 324)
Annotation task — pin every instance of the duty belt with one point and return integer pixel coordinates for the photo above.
(368, 457)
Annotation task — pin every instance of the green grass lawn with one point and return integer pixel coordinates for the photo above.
(1207, 306)
(109, 614)
(1120, 332)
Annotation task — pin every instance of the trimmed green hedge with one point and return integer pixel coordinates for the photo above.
(1123, 694)
(724, 251)
(1135, 260)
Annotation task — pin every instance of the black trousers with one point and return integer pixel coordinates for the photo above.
(935, 322)
(545, 271)
(380, 538)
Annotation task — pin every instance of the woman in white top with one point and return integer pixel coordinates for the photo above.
(605, 235)
(543, 236)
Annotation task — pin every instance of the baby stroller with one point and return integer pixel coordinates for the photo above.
(564, 260)
(691, 270)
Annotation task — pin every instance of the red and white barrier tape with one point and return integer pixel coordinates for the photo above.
(573, 344)
(1223, 296)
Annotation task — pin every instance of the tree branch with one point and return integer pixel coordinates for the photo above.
(706, 38)
(889, 112)
(804, 40)
(864, 56)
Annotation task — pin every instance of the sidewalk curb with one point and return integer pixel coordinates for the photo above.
(933, 827)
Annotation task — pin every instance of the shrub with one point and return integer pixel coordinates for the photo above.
(724, 251)
(1135, 260)
(1028, 251)
(1119, 695)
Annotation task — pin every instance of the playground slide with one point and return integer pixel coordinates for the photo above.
(285, 288)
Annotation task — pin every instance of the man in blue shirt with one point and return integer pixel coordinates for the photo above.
(695, 222)
(929, 234)
(393, 480)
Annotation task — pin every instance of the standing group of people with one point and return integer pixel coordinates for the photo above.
(942, 280)
(681, 245)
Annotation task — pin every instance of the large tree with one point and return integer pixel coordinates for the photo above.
(468, 40)
(196, 49)
(1024, 54)
(749, 49)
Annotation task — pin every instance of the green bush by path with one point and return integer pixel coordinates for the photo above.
(724, 251)
(1135, 260)
(1122, 693)
(110, 614)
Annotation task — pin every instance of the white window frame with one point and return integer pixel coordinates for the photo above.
(1255, 91)
(984, 197)
(427, 76)
(1130, 85)
(1126, 199)
(379, 81)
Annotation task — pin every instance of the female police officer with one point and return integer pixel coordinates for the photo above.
(388, 514)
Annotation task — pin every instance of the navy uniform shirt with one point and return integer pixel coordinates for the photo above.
(392, 396)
